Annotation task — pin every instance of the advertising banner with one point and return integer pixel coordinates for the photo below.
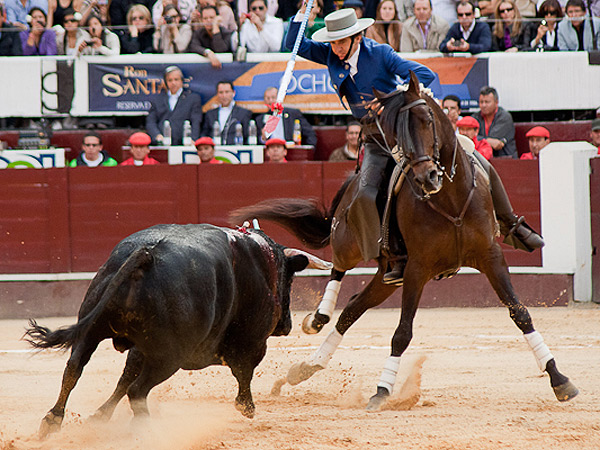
(32, 159)
(229, 154)
(115, 88)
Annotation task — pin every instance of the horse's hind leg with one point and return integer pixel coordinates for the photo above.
(80, 356)
(499, 278)
(374, 294)
(314, 322)
(132, 369)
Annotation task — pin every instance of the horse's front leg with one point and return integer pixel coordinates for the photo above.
(374, 294)
(497, 274)
(411, 294)
(314, 322)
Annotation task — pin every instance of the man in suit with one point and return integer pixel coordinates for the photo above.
(175, 105)
(227, 115)
(467, 35)
(285, 127)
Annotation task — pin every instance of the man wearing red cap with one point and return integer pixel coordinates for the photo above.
(468, 126)
(205, 147)
(275, 150)
(139, 151)
(538, 138)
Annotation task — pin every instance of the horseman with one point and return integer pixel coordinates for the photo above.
(357, 65)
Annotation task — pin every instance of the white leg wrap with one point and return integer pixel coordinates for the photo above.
(539, 348)
(330, 297)
(324, 353)
(388, 376)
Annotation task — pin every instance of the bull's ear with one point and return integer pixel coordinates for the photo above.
(297, 263)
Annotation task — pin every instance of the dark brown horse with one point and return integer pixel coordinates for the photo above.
(445, 214)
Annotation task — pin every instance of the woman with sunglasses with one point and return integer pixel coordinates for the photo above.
(139, 35)
(387, 28)
(509, 29)
(543, 33)
(100, 40)
(69, 36)
(172, 37)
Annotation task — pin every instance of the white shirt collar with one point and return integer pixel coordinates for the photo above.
(353, 61)
(173, 98)
(467, 33)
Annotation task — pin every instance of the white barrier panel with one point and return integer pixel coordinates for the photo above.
(230, 154)
(32, 159)
(565, 212)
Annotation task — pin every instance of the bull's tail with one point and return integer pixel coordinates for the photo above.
(64, 338)
(307, 220)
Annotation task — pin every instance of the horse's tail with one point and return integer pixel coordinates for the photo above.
(64, 338)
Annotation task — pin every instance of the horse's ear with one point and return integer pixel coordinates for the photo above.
(413, 85)
(378, 94)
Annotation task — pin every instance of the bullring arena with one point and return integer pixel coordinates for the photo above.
(468, 380)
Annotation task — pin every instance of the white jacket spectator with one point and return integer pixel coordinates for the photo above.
(261, 32)
(101, 40)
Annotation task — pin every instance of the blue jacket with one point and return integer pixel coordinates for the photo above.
(379, 67)
(480, 39)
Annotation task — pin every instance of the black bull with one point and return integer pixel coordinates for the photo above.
(179, 297)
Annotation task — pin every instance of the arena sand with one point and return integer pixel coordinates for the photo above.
(468, 382)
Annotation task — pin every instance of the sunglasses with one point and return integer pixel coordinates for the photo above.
(465, 14)
(505, 10)
(91, 145)
(138, 18)
(552, 12)
(71, 20)
(257, 8)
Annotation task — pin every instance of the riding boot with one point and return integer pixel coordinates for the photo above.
(516, 232)
(363, 214)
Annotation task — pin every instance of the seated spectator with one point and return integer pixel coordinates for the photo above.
(211, 37)
(314, 22)
(184, 7)
(357, 5)
(285, 127)
(387, 28)
(227, 115)
(575, 31)
(69, 37)
(451, 106)
(18, 10)
(241, 7)
(10, 41)
(175, 105)
(538, 138)
(509, 30)
(138, 37)
(526, 8)
(93, 155)
(543, 34)
(495, 124)
(227, 15)
(595, 134)
(205, 147)
(101, 40)
(468, 126)
(468, 34)
(38, 40)
(172, 36)
(96, 7)
(351, 149)
(118, 9)
(275, 150)
(423, 31)
(140, 152)
(259, 31)
(57, 8)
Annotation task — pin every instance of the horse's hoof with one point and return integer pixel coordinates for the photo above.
(378, 400)
(50, 424)
(247, 409)
(314, 322)
(99, 417)
(302, 371)
(565, 392)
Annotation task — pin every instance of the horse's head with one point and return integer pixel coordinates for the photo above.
(407, 116)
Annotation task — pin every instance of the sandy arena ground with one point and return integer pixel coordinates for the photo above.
(480, 389)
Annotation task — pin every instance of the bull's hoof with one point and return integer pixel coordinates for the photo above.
(314, 322)
(302, 371)
(247, 409)
(378, 400)
(50, 424)
(565, 392)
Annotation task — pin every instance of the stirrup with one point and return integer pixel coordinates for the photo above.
(522, 237)
(395, 276)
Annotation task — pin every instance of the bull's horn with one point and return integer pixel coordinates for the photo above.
(314, 262)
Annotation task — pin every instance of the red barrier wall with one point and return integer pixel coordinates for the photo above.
(68, 220)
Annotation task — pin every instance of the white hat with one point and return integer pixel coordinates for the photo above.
(341, 24)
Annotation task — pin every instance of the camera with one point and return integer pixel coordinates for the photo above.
(169, 20)
(89, 43)
(246, 15)
(543, 22)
